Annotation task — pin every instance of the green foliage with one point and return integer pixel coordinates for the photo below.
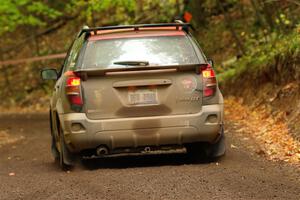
(263, 55)
(24, 12)
(15, 13)
(21, 17)
(90, 8)
(261, 30)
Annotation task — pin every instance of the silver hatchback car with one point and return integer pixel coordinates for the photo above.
(135, 89)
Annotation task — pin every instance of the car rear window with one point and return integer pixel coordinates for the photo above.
(157, 50)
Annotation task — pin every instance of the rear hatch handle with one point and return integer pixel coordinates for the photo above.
(137, 83)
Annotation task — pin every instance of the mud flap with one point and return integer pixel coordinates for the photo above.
(54, 151)
(67, 158)
(217, 149)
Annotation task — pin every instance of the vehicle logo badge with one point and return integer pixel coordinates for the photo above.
(189, 84)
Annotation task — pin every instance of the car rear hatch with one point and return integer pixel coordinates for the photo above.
(141, 92)
(140, 74)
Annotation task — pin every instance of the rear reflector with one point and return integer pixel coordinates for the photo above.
(208, 92)
(75, 100)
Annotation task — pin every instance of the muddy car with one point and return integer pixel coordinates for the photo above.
(135, 89)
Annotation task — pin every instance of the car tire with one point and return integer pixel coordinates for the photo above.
(54, 150)
(196, 151)
(208, 151)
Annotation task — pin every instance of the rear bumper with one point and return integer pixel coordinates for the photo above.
(83, 133)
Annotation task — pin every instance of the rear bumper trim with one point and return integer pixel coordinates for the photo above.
(142, 131)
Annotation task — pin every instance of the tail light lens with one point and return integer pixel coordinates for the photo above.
(73, 89)
(209, 81)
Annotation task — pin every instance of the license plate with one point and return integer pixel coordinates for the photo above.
(142, 97)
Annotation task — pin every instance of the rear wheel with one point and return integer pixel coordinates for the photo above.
(206, 150)
(54, 150)
(196, 151)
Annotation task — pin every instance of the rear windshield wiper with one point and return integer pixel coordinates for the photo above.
(132, 63)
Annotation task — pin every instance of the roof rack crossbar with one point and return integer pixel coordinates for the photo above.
(185, 26)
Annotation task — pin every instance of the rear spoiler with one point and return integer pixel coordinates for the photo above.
(85, 73)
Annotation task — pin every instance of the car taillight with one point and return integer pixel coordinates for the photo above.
(73, 89)
(209, 80)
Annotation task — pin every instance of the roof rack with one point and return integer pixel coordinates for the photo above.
(185, 27)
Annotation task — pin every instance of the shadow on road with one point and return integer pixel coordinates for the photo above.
(143, 161)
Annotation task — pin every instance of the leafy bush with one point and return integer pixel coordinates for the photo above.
(262, 55)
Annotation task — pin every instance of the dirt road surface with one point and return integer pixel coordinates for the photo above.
(27, 171)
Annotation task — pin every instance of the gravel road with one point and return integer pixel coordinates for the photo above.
(27, 171)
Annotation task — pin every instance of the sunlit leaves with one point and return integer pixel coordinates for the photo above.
(94, 12)
(42, 9)
(269, 132)
(90, 8)
(24, 12)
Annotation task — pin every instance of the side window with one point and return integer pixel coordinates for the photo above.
(71, 60)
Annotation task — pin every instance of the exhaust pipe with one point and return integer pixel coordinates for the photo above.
(102, 150)
(147, 149)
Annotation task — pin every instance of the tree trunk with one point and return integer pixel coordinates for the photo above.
(258, 14)
(228, 21)
(5, 72)
(268, 13)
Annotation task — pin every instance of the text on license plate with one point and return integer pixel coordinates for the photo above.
(142, 97)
